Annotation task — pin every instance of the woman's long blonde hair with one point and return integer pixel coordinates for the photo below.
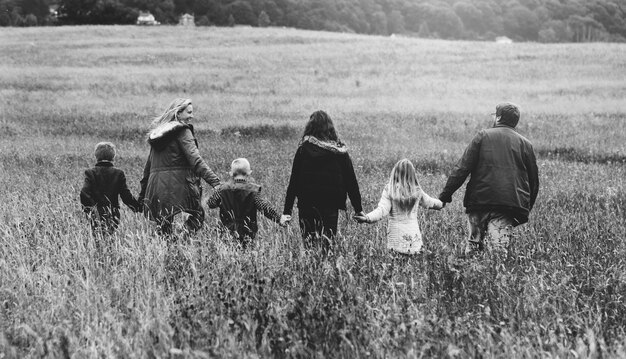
(404, 188)
(177, 106)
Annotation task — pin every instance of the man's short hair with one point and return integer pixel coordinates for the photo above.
(508, 113)
(240, 167)
(105, 151)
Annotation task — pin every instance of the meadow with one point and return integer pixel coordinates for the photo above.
(560, 292)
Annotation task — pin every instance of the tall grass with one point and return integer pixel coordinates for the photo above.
(559, 293)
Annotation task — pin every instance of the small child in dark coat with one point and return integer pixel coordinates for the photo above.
(104, 184)
(239, 200)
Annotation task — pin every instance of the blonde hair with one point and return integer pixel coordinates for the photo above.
(404, 188)
(104, 151)
(177, 106)
(240, 167)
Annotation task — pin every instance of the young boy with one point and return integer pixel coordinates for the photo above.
(103, 185)
(239, 200)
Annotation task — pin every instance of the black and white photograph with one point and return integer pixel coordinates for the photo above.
(312, 179)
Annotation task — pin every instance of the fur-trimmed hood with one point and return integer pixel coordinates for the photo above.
(331, 146)
(160, 136)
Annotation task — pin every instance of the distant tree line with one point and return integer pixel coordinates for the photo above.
(521, 20)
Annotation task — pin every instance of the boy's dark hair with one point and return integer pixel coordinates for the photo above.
(321, 126)
(105, 151)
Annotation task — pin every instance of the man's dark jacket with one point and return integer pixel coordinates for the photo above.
(503, 174)
(322, 177)
(103, 186)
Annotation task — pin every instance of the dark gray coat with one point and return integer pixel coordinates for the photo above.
(503, 174)
(171, 177)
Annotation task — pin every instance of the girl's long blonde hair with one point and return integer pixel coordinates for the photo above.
(177, 106)
(404, 188)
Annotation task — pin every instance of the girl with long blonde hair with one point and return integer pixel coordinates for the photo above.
(400, 200)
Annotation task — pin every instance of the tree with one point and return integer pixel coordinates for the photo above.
(5, 18)
(423, 31)
(490, 13)
(354, 18)
(609, 14)
(243, 13)
(413, 17)
(378, 23)
(264, 19)
(275, 12)
(38, 8)
(443, 21)
(395, 22)
(203, 21)
(521, 23)
(470, 16)
(555, 31)
(76, 12)
(16, 18)
(586, 29)
(30, 20)
(109, 12)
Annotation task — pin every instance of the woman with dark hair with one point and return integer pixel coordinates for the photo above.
(171, 177)
(322, 177)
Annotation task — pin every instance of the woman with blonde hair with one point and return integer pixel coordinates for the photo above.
(400, 200)
(171, 178)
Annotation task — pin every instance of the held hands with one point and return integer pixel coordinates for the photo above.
(360, 217)
(285, 219)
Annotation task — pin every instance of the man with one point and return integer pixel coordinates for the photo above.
(503, 183)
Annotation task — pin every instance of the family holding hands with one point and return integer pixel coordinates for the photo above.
(500, 194)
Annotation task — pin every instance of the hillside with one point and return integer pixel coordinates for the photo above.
(521, 20)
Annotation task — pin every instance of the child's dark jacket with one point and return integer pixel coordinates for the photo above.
(239, 201)
(103, 186)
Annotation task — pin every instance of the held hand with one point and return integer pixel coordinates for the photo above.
(360, 217)
(285, 219)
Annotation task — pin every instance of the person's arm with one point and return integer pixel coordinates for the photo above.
(86, 198)
(463, 168)
(290, 197)
(191, 152)
(352, 185)
(382, 210)
(533, 177)
(144, 179)
(429, 202)
(266, 207)
(215, 200)
(126, 196)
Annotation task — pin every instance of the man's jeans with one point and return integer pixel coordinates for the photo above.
(493, 226)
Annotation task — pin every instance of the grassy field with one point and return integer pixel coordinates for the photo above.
(561, 292)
